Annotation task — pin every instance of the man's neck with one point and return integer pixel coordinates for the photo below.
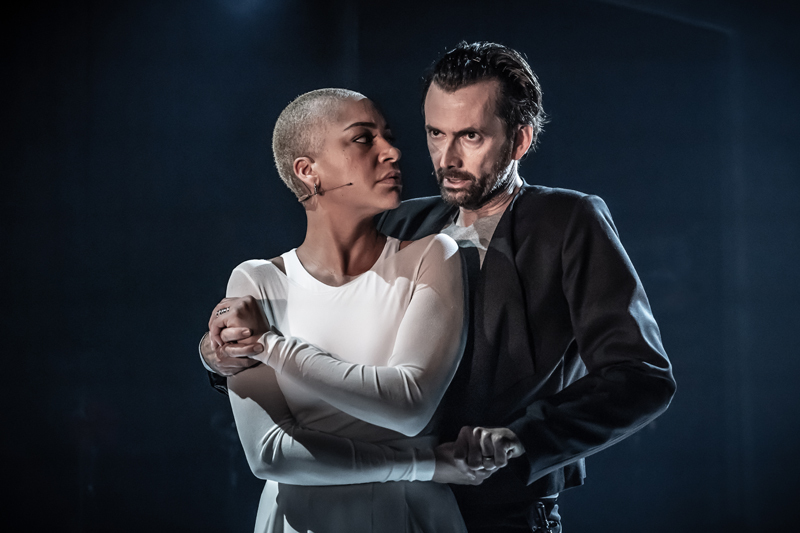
(498, 204)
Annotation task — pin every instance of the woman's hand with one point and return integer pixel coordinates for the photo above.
(229, 358)
(235, 328)
(244, 318)
(475, 455)
(449, 469)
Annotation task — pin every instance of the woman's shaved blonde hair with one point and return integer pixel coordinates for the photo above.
(298, 130)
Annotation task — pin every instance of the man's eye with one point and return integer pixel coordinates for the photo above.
(365, 138)
(434, 133)
(472, 136)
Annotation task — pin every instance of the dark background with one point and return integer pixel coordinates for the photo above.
(136, 174)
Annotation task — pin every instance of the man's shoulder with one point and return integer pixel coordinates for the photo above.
(551, 195)
(553, 199)
(554, 210)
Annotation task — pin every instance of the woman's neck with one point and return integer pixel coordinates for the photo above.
(339, 248)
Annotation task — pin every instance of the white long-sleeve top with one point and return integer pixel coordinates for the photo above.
(352, 372)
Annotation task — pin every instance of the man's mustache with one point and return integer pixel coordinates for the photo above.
(442, 174)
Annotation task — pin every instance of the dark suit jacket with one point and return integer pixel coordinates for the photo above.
(563, 348)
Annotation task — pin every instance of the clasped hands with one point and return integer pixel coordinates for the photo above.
(234, 337)
(476, 454)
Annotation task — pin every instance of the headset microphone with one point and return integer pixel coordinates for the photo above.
(317, 191)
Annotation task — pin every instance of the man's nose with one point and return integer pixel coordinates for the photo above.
(450, 156)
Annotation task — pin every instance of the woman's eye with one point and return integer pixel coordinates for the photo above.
(366, 138)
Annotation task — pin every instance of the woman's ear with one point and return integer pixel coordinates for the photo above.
(304, 169)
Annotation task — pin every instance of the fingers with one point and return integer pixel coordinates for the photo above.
(207, 350)
(513, 446)
(488, 451)
(239, 350)
(461, 445)
(234, 334)
(450, 469)
(214, 324)
(475, 453)
(470, 448)
(487, 448)
(242, 312)
(502, 448)
(461, 465)
(228, 366)
(496, 446)
(481, 475)
(226, 313)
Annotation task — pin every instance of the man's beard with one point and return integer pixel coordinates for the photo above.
(481, 190)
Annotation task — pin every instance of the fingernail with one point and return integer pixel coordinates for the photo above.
(258, 348)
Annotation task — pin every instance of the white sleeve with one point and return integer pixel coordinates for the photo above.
(404, 394)
(278, 448)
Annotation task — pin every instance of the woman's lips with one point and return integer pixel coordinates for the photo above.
(394, 178)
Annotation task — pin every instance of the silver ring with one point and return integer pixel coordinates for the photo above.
(223, 311)
(490, 457)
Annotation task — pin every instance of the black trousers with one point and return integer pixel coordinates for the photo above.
(514, 517)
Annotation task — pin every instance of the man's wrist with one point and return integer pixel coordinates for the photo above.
(203, 340)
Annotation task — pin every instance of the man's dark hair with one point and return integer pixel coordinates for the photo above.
(520, 98)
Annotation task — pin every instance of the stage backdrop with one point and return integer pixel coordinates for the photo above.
(137, 173)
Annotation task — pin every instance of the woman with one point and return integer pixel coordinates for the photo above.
(365, 335)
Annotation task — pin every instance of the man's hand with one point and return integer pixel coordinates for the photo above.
(488, 448)
(230, 358)
(452, 470)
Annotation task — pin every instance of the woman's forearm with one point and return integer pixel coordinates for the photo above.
(279, 449)
(403, 394)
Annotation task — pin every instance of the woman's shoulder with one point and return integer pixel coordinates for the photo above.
(433, 247)
(256, 277)
(261, 269)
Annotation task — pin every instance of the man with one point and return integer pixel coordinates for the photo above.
(563, 356)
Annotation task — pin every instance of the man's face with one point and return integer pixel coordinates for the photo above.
(468, 143)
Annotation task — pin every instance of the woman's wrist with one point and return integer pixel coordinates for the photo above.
(269, 340)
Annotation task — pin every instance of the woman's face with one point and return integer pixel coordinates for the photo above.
(357, 148)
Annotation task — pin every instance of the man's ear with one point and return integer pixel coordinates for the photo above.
(305, 169)
(522, 141)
